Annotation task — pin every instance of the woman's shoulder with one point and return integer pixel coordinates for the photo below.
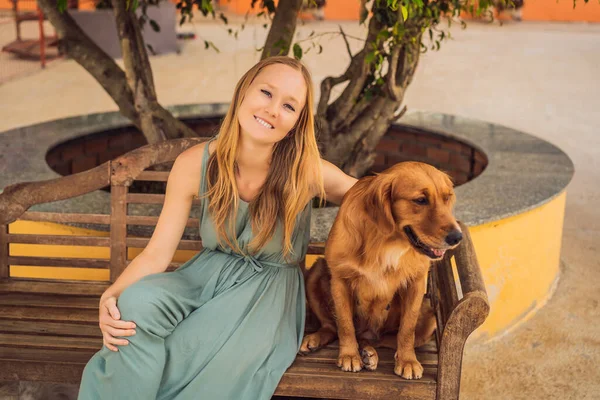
(187, 168)
(192, 157)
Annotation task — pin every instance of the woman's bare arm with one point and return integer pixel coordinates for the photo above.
(336, 182)
(182, 186)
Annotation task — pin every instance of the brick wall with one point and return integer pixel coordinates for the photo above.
(461, 161)
(87, 152)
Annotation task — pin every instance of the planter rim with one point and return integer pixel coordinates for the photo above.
(523, 171)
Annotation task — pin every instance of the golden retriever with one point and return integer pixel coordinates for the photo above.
(388, 229)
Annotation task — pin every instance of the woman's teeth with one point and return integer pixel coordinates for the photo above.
(263, 123)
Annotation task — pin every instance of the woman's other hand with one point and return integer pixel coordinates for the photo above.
(112, 326)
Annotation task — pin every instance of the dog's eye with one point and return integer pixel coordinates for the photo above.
(422, 201)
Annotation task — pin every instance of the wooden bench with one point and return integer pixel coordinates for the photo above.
(49, 328)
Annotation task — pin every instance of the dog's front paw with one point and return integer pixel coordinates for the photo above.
(311, 342)
(370, 358)
(408, 368)
(350, 362)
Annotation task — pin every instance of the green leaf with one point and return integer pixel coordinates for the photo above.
(206, 45)
(154, 26)
(404, 12)
(61, 5)
(223, 17)
(182, 20)
(370, 57)
(320, 49)
(297, 51)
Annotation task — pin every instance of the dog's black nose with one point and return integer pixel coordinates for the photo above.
(454, 237)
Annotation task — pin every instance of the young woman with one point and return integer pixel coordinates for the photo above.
(229, 322)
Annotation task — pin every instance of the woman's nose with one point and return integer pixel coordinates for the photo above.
(272, 109)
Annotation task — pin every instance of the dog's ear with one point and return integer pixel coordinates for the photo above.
(378, 204)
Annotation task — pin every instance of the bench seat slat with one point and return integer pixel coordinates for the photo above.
(49, 328)
(44, 300)
(74, 288)
(50, 314)
(50, 342)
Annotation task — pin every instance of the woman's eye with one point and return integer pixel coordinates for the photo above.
(266, 92)
(422, 201)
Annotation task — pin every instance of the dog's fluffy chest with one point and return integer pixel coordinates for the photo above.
(386, 275)
(391, 255)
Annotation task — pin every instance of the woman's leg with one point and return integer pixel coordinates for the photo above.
(156, 303)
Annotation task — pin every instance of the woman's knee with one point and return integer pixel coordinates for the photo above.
(142, 302)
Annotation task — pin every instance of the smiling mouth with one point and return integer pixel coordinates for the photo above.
(422, 247)
(263, 122)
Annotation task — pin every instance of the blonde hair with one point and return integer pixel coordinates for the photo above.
(294, 173)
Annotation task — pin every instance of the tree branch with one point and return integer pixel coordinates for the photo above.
(93, 59)
(321, 117)
(137, 69)
(282, 30)
(113, 79)
(346, 41)
(358, 72)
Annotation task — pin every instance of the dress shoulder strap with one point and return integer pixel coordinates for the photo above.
(203, 179)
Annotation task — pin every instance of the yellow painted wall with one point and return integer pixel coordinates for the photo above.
(519, 258)
(520, 262)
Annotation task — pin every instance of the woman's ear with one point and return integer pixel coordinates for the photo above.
(378, 204)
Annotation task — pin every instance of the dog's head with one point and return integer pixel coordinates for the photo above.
(414, 201)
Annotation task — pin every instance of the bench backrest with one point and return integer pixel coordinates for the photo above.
(119, 174)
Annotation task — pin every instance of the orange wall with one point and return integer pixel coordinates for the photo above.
(334, 10)
(562, 10)
(534, 10)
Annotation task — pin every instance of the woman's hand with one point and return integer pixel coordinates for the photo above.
(111, 325)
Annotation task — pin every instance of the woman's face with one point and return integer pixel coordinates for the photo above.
(272, 104)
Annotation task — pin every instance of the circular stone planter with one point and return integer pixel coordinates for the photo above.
(511, 194)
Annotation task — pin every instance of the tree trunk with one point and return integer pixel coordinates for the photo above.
(156, 123)
(142, 111)
(282, 29)
(352, 125)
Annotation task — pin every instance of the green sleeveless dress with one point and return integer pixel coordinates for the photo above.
(222, 326)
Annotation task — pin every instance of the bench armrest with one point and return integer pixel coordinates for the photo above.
(457, 318)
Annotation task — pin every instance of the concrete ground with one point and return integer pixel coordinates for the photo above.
(541, 78)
